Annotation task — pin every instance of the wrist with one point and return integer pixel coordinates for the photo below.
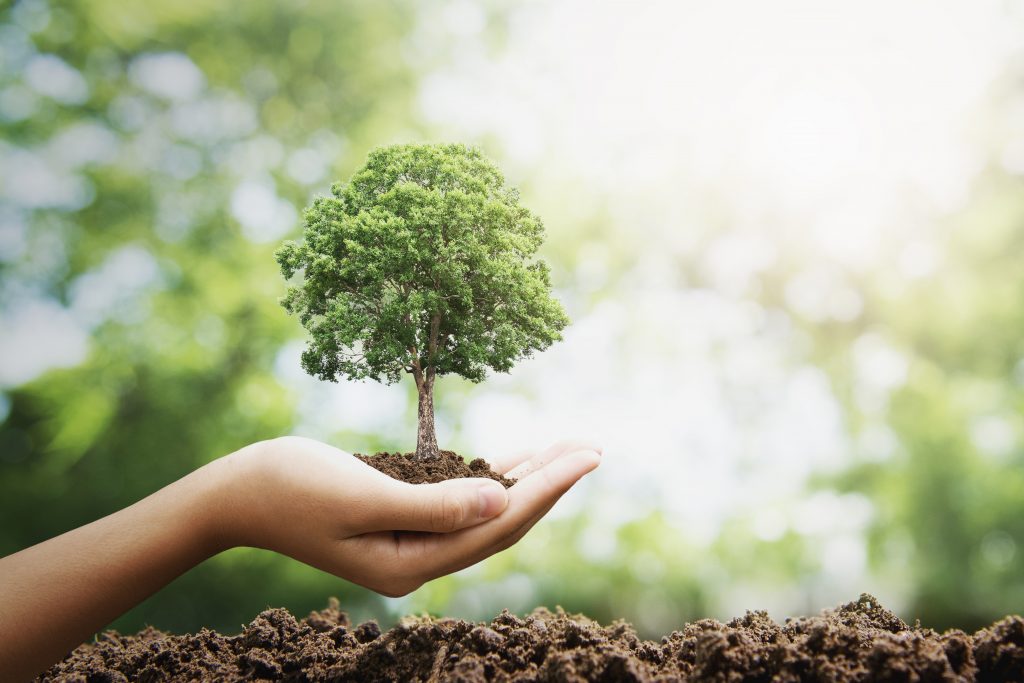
(231, 492)
(215, 487)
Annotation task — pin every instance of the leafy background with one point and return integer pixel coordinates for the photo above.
(790, 239)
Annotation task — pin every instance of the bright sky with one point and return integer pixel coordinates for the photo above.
(800, 99)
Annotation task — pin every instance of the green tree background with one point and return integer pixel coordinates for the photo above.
(183, 346)
(135, 136)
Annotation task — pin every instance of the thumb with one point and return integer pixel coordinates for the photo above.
(443, 507)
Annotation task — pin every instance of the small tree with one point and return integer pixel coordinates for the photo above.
(423, 264)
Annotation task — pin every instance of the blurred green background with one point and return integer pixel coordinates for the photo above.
(791, 239)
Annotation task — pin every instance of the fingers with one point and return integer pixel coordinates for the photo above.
(443, 507)
(503, 463)
(538, 460)
(529, 499)
(384, 504)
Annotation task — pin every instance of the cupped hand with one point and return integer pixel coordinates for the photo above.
(324, 507)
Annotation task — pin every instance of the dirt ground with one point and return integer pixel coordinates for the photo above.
(859, 641)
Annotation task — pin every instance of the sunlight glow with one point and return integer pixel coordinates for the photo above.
(796, 106)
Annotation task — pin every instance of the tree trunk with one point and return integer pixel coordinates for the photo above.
(424, 372)
(426, 438)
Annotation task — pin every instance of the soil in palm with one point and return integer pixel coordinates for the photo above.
(447, 465)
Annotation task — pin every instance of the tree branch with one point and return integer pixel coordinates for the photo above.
(417, 371)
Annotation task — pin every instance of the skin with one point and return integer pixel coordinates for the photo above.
(295, 496)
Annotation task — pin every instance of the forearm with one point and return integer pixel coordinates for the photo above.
(93, 574)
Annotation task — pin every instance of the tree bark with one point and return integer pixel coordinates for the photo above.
(426, 438)
(424, 373)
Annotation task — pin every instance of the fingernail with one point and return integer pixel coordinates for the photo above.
(493, 499)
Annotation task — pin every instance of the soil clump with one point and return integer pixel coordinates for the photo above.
(448, 465)
(858, 641)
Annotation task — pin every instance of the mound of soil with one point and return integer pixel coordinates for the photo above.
(448, 465)
(859, 641)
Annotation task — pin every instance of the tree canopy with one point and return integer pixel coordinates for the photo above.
(423, 262)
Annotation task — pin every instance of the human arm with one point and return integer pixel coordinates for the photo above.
(291, 495)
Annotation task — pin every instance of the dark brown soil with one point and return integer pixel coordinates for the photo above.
(448, 465)
(859, 641)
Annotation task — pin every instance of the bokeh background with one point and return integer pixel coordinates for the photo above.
(790, 236)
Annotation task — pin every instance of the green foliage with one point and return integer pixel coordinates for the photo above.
(422, 261)
(180, 369)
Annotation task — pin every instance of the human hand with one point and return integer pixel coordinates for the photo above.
(292, 495)
(324, 507)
